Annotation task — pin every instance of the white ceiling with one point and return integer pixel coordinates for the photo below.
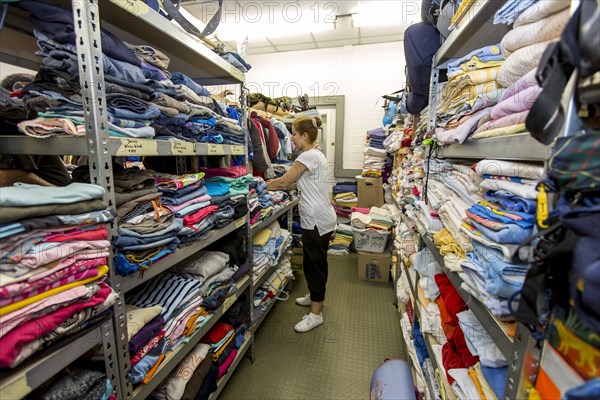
(270, 24)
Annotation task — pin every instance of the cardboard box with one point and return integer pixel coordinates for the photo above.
(374, 266)
(370, 192)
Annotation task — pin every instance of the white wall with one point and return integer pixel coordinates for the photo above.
(361, 73)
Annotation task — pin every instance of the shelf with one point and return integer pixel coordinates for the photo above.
(17, 144)
(497, 330)
(266, 222)
(30, 378)
(173, 358)
(514, 147)
(473, 31)
(270, 270)
(134, 280)
(238, 358)
(254, 327)
(137, 23)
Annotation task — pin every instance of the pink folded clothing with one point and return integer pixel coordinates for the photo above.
(46, 254)
(13, 342)
(201, 199)
(99, 233)
(88, 273)
(46, 127)
(508, 120)
(223, 368)
(361, 210)
(231, 172)
(32, 284)
(522, 101)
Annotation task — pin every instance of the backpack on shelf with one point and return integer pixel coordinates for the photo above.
(421, 42)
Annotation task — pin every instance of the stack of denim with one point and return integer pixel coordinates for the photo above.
(375, 153)
(53, 263)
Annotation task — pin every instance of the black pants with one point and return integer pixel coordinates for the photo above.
(315, 262)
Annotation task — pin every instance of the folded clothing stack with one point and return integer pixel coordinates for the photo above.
(270, 291)
(268, 247)
(497, 266)
(53, 265)
(144, 100)
(371, 218)
(375, 153)
(78, 381)
(344, 197)
(536, 25)
(340, 245)
(174, 306)
(264, 202)
(471, 90)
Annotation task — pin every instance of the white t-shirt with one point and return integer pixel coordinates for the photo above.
(315, 207)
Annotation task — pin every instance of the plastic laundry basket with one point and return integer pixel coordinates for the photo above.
(370, 240)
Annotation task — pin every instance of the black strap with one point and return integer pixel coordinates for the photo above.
(174, 13)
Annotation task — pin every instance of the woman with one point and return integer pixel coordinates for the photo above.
(317, 217)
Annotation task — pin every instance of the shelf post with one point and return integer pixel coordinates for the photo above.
(91, 78)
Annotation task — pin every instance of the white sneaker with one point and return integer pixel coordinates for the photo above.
(304, 301)
(309, 321)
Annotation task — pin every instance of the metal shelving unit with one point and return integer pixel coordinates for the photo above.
(275, 216)
(265, 275)
(118, 147)
(495, 328)
(27, 379)
(173, 358)
(254, 327)
(467, 36)
(248, 339)
(134, 22)
(515, 147)
(134, 280)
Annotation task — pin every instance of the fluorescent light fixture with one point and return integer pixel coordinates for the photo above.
(269, 19)
(385, 13)
(260, 30)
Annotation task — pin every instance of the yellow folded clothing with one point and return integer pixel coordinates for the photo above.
(504, 131)
(447, 244)
(345, 195)
(262, 237)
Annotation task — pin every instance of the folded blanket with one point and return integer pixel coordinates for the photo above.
(509, 168)
(541, 10)
(520, 62)
(502, 131)
(506, 121)
(543, 30)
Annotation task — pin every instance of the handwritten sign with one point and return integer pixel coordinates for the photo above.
(241, 222)
(237, 150)
(182, 148)
(215, 149)
(229, 302)
(138, 147)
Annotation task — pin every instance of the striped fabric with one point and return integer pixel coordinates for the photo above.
(169, 291)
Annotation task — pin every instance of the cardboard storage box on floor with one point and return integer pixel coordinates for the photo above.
(370, 192)
(374, 266)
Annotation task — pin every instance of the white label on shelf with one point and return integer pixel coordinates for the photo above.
(241, 222)
(229, 302)
(237, 150)
(17, 388)
(183, 148)
(138, 147)
(215, 149)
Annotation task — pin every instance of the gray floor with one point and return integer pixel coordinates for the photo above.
(334, 361)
